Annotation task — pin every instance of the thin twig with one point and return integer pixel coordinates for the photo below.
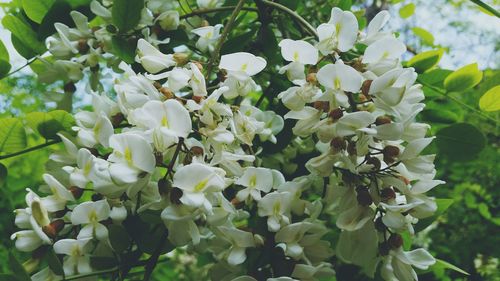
(311, 30)
(225, 33)
(215, 10)
(20, 68)
(30, 149)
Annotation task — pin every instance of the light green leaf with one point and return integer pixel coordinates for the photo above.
(4, 54)
(425, 60)
(490, 101)
(407, 10)
(463, 79)
(36, 9)
(425, 36)
(4, 68)
(460, 141)
(126, 14)
(64, 118)
(446, 265)
(49, 124)
(12, 135)
(23, 32)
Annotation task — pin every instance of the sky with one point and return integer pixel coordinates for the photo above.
(475, 41)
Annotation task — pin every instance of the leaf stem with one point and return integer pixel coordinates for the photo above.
(229, 26)
(18, 69)
(486, 7)
(443, 93)
(48, 143)
(311, 30)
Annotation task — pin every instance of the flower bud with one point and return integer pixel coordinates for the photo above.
(384, 248)
(379, 225)
(175, 196)
(336, 114)
(387, 194)
(395, 241)
(311, 78)
(96, 197)
(83, 47)
(322, 105)
(69, 87)
(53, 228)
(117, 119)
(365, 88)
(390, 153)
(159, 158)
(196, 150)
(169, 20)
(76, 191)
(351, 148)
(118, 214)
(364, 198)
(30, 265)
(181, 58)
(163, 185)
(167, 92)
(197, 99)
(39, 213)
(381, 120)
(338, 144)
(204, 23)
(375, 162)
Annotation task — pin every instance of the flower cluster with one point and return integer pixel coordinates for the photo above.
(172, 142)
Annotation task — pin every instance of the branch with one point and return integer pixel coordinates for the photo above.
(153, 260)
(14, 71)
(30, 149)
(311, 30)
(443, 93)
(486, 7)
(225, 33)
(215, 10)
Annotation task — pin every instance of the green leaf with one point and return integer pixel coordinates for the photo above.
(64, 118)
(23, 32)
(425, 36)
(54, 262)
(435, 77)
(407, 10)
(4, 68)
(124, 49)
(12, 135)
(490, 101)
(440, 116)
(126, 14)
(460, 141)
(344, 5)
(446, 265)
(292, 4)
(78, 3)
(425, 60)
(36, 9)
(17, 267)
(7, 277)
(4, 54)
(59, 12)
(21, 48)
(118, 237)
(442, 205)
(463, 79)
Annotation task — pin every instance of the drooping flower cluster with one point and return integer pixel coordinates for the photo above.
(171, 144)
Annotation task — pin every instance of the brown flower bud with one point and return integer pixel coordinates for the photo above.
(117, 119)
(205, 23)
(196, 150)
(338, 143)
(364, 198)
(96, 197)
(157, 85)
(76, 191)
(351, 148)
(198, 65)
(387, 194)
(390, 153)
(197, 99)
(336, 114)
(322, 105)
(69, 87)
(159, 158)
(181, 58)
(175, 196)
(53, 228)
(384, 248)
(395, 241)
(374, 161)
(167, 92)
(379, 225)
(163, 185)
(311, 78)
(381, 120)
(83, 47)
(365, 88)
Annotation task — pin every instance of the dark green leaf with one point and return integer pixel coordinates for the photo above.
(425, 60)
(4, 54)
(102, 263)
(21, 48)
(460, 141)
(54, 262)
(124, 49)
(17, 267)
(64, 118)
(435, 77)
(59, 12)
(4, 68)
(8, 277)
(126, 14)
(442, 205)
(3, 174)
(118, 237)
(440, 116)
(12, 135)
(446, 265)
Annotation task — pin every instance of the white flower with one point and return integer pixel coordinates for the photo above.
(46, 275)
(169, 20)
(197, 81)
(27, 240)
(151, 58)
(376, 24)
(256, 180)
(240, 240)
(346, 29)
(340, 77)
(209, 4)
(132, 155)
(354, 122)
(390, 88)
(387, 48)
(398, 264)
(195, 180)
(79, 176)
(276, 207)
(93, 129)
(90, 214)
(242, 65)
(77, 260)
(208, 37)
(290, 236)
(298, 51)
(295, 98)
(60, 194)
